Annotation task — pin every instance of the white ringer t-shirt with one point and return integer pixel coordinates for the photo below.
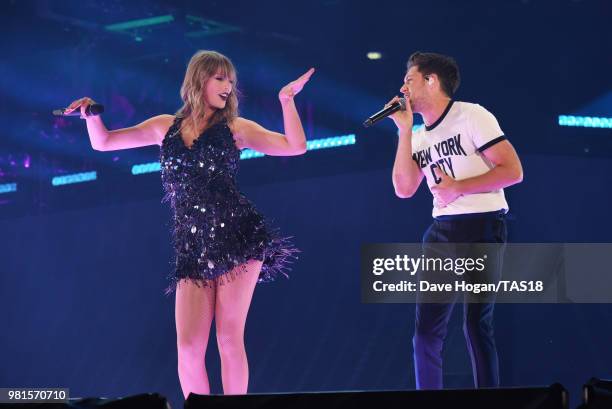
(455, 143)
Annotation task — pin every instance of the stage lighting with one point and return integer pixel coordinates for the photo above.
(74, 178)
(585, 121)
(8, 187)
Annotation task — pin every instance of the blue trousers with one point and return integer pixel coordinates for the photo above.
(432, 316)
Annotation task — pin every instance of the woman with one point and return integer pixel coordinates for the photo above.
(223, 246)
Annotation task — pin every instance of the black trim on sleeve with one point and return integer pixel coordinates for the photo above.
(432, 126)
(492, 142)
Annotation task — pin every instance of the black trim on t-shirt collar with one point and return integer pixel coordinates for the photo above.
(448, 107)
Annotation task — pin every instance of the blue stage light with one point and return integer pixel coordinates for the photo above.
(333, 142)
(74, 178)
(585, 121)
(8, 187)
(250, 154)
(146, 168)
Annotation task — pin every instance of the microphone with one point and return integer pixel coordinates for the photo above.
(399, 105)
(90, 110)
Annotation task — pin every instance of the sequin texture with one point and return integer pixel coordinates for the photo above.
(215, 227)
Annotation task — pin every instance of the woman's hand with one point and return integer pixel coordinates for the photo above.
(81, 103)
(294, 87)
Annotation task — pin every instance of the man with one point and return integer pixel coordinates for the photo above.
(467, 161)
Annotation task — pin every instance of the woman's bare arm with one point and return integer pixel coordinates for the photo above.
(250, 134)
(148, 132)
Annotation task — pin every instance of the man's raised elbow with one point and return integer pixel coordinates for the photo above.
(403, 193)
(402, 190)
(517, 175)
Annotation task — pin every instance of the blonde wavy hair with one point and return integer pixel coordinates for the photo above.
(203, 65)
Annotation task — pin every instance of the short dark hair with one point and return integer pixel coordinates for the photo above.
(443, 66)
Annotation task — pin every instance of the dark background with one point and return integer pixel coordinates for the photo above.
(82, 266)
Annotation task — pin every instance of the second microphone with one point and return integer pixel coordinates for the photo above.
(399, 105)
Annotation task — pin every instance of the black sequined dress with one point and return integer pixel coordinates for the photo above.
(215, 227)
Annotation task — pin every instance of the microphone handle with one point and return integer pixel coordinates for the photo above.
(383, 113)
(90, 110)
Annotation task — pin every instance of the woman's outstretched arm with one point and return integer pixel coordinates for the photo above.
(148, 132)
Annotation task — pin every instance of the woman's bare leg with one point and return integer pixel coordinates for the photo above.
(194, 311)
(231, 309)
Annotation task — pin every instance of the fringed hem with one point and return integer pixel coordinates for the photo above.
(277, 257)
(202, 282)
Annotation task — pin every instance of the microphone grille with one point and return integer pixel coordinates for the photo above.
(402, 102)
